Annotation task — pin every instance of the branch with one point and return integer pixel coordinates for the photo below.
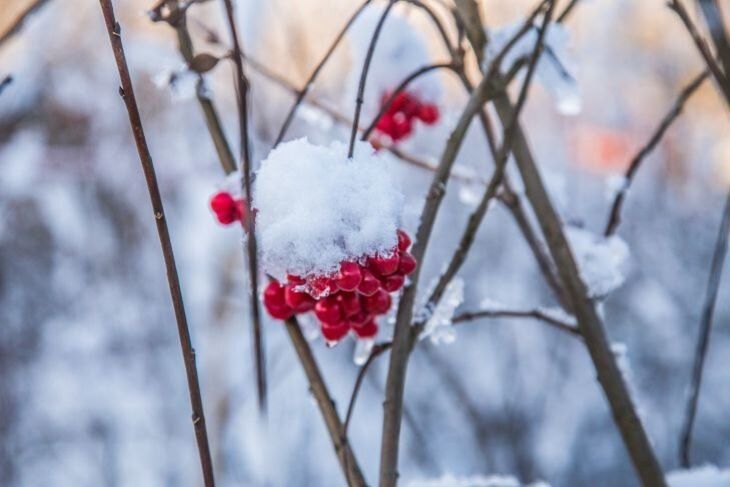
(500, 313)
(312, 77)
(377, 350)
(336, 430)
(6, 81)
(364, 75)
(17, 24)
(703, 340)
(716, 27)
(614, 218)
(127, 93)
(242, 87)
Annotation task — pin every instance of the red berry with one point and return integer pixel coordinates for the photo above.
(404, 241)
(350, 303)
(368, 330)
(300, 302)
(336, 332)
(328, 310)
(295, 280)
(349, 276)
(407, 263)
(321, 286)
(275, 302)
(360, 318)
(403, 127)
(369, 284)
(386, 125)
(378, 303)
(393, 282)
(226, 208)
(428, 113)
(384, 264)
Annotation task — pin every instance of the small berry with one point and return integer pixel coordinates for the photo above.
(360, 318)
(275, 302)
(350, 303)
(393, 282)
(368, 330)
(227, 209)
(384, 264)
(328, 310)
(321, 286)
(336, 332)
(295, 280)
(407, 263)
(300, 302)
(377, 304)
(369, 284)
(428, 113)
(404, 241)
(349, 276)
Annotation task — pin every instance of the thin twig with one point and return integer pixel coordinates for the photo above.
(504, 313)
(336, 430)
(364, 75)
(703, 339)
(242, 87)
(402, 86)
(718, 34)
(377, 350)
(566, 11)
(312, 77)
(614, 218)
(127, 93)
(17, 24)
(6, 81)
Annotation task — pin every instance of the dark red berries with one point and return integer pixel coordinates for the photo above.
(228, 209)
(348, 300)
(397, 121)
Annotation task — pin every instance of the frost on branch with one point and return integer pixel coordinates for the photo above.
(602, 261)
(439, 324)
(705, 476)
(553, 68)
(317, 208)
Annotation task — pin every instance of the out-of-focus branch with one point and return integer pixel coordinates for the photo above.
(614, 218)
(326, 405)
(718, 33)
(242, 87)
(703, 339)
(312, 77)
(5, 83)
(537, 314)
(17, 24)
(127, 93)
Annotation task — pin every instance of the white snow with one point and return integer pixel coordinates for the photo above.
(553, 69)
(602, 261)
(317, 208)
(438, 326)
(705, 476)
(450, 480)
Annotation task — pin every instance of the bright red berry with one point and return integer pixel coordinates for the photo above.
(227, 209)
(384, 264)
(393, 282)
(275, 301)
(369, 284)
(328, 310)
(402, 128)
(407, 263)
(360, 318)
(295, 280)
(377, 304)
(350, 303)
(321, 286)
(404, 241)
(336, 332)
(300, 302)
(349, 276)
(428, 113)
(368, 330)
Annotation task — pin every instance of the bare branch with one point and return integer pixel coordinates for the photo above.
(127, 93)
(17, 24)
(377, 350)
(703, 339)
(718, 33)
(6, 81)
(505, 313)
(614, 218)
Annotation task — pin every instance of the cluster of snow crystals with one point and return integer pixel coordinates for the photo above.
(705, 476)
(559, 314)
(449, 480)
(182, 82)
(400, 50)
(552, 69)
(614, 184)
(316, 208)
(362, 351)
(439, 324)
(603, 262)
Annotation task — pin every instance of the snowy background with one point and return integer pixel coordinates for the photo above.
(92, 388)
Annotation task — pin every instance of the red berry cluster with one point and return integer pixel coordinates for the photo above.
(348, 300)
(397, 121)
(228, 209)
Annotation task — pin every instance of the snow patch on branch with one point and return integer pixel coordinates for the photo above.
(602, 262)
(704, 476)
(440, 320)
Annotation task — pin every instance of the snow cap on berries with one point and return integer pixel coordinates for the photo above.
(317, 208)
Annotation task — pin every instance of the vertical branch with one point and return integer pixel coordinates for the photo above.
(336, 430)
(312, 77)
(127, 93)
(364, 75)
(242, 92)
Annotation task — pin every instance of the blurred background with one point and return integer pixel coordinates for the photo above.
(92, 388)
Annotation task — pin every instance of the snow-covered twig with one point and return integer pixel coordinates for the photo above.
(614, 217)
(127, 93)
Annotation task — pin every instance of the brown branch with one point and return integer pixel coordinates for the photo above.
(312, 77)
(321, 394)
(242, 87)
(703, 339)
(402, 86)
(566, 11)
(363, 77)
(614, 218)
(504, 313)
(377, 350)
(127, 93)
(17, 24)
(718, 34)
(6, 81)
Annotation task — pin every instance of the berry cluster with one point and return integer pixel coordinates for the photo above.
(349, 299)
(228, 209)
(397, 121)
